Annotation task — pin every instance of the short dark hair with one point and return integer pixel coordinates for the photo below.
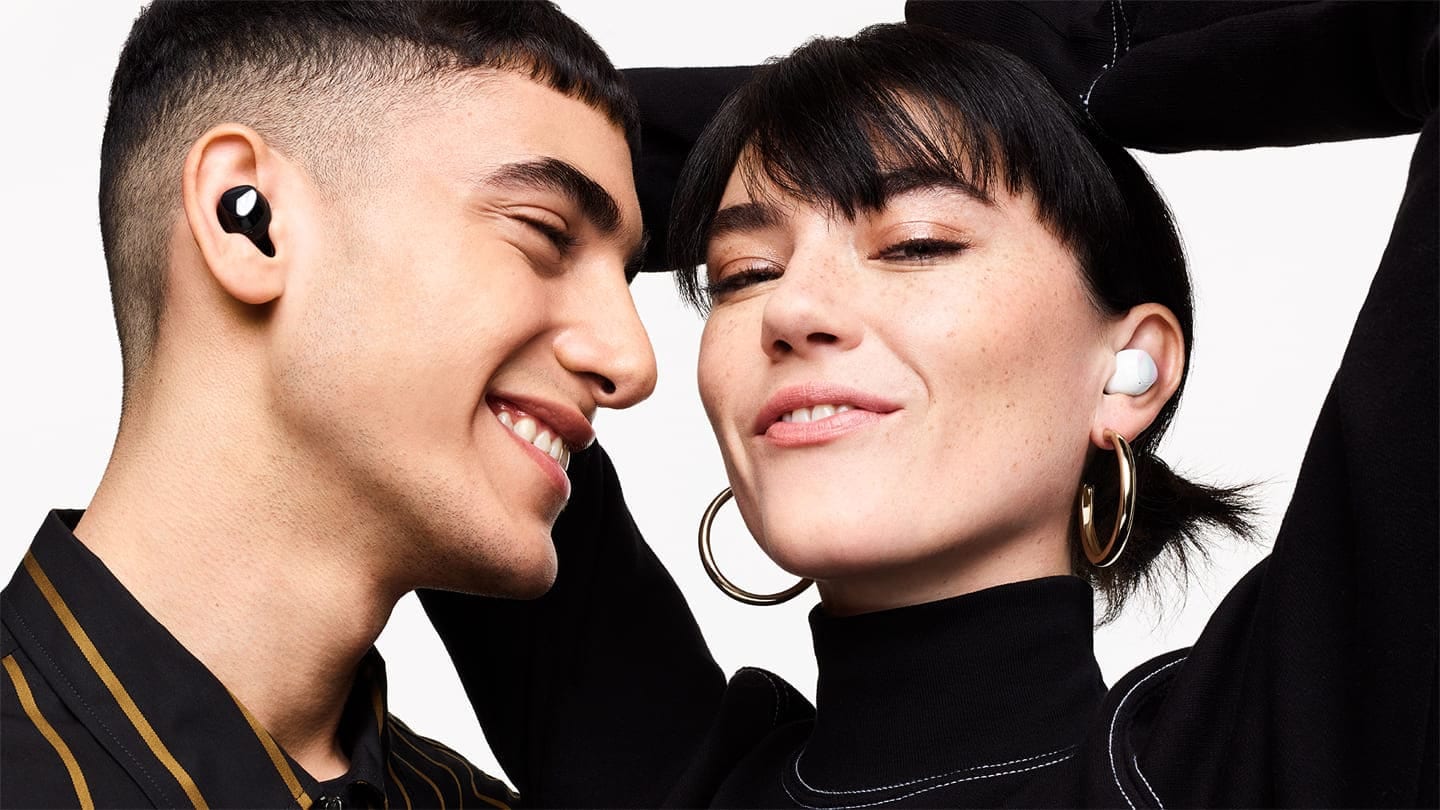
(827, 122)
(301, 74)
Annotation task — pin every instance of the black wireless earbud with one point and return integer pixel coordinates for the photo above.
(243, 210)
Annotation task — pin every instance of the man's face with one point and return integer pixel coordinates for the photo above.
(463, 316)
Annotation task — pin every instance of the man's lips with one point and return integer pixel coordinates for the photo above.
(566, 422)
(819, 410)
(546, 431)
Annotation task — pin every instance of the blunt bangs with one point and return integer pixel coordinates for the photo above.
(829, 123)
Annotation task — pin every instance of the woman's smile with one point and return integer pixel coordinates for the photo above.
(817, 413)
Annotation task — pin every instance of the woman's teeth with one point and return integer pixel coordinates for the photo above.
(814, 413)
(537, 434)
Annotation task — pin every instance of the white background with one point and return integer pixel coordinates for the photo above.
(1282, 243)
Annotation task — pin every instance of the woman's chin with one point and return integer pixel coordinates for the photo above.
(836, 549)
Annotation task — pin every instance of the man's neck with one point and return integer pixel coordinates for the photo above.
(242, 566)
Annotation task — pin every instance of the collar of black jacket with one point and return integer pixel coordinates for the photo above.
(183, 737)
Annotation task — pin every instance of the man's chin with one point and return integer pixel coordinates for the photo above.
(519, 577)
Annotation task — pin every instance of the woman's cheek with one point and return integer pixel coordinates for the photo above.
(717, 371)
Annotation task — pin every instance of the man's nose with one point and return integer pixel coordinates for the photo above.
(607, 346)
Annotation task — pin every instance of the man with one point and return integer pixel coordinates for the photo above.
(369, 270)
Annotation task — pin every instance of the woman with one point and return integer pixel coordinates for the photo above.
(915, 237)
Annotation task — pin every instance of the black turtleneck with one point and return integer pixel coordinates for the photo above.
(964, 701)
(1003, 675)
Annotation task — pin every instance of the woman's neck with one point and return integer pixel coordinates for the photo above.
(961, 569)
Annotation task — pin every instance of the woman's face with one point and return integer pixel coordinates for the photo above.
(904, 400)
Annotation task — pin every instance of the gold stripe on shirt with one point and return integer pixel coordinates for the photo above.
(421, 774)
(490, 800)
(107, 676)
(377, 700)
(396, 780)
(462, 761)
(277, 757)
(405, 734)
(32, 710)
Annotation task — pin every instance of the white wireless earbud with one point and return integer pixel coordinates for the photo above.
(1134, 373)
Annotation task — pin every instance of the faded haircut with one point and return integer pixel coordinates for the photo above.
(309, 77)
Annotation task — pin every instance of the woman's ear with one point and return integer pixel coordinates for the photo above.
(225, 158)
(1153, 329)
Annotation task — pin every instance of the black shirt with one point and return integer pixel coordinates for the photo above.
(101, 707)
(1313, 684)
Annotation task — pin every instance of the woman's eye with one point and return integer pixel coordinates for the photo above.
(923, 250)
(733, 283)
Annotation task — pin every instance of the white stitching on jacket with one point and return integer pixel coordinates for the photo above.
(1124, 28)
(796, 799)
(1114, 771)
(1116, 14)
(774, 721)
(1135, 760)
(814, 789)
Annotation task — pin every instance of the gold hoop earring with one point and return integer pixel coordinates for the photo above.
(1124, 515)
(707, 559)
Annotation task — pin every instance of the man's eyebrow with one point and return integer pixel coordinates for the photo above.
(553, 174)
(901, 181)
(750, 216)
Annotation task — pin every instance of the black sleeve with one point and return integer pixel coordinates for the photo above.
(1172, 75)
(675, 106)
(595, 694)
(1315, 684)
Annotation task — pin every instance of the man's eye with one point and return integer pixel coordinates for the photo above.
(923, 250)
(557, 237)
(733, 283)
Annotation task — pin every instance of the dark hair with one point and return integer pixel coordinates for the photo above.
(307, 76)
(824, 124)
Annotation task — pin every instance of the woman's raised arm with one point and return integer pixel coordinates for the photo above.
(1316, 678)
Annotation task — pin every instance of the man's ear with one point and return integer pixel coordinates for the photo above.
(225, 157)
(1154, 329)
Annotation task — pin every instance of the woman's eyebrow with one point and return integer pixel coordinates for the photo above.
(750, 216)
(902, 181)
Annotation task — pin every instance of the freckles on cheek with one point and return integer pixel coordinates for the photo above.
(721, 356)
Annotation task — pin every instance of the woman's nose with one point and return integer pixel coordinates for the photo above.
(808, 309)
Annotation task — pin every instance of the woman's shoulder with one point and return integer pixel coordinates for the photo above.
(1275, 704)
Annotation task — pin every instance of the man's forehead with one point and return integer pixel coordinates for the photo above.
(516, 115)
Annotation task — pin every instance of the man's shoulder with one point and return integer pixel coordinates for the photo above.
(426, 765)
(48, 756)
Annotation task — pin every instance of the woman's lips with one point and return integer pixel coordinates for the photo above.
(830, 428)
(818, 412)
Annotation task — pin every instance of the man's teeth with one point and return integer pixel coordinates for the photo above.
(814, 413)
(532, 432)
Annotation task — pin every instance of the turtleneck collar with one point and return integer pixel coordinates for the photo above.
(980, 679)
